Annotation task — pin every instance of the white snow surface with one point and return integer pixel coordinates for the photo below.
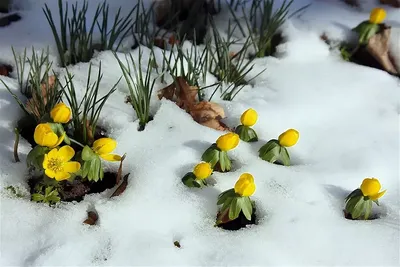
(348, 119)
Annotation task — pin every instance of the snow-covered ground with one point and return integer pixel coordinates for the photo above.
(348, 119)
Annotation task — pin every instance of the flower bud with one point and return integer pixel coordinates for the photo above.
(289, 138)
(228, 141)
(377, 15)
(245, 186)
(202, 170)
(249, 117)
(370, 188)
(44, 136)
(60, 113)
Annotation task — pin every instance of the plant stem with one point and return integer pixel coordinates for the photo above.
(16, 145)
(76, 142)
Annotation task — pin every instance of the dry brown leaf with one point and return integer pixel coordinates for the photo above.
(33, 103)
(92, 218)
(209, 114)
(378, 47)
(119, 173)
(184, 93)
(121, 188)
(5, 69)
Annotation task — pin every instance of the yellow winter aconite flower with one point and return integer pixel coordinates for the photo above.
(249, 117)
(289, 138)
(60, 113)
(377, 15)
(228, 141)
(57, 163)
(245, 186)
(202, 170)
(370, 188)
(44, 136)
(104, 146)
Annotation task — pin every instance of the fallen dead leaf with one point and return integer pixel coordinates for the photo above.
(184, 93)
(209, 114)
(121, 188)
(92, 218)
(5, 69)
(393, 3)
(378, 47)
(119, 173)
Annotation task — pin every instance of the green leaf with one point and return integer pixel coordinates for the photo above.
(235, 208)
(270, 151)
(368, 209)
(211, 155)
(37, 197)
(246, 133)
(247, 207)
(284, 156)
(225, 195)
(358, 208)
(190, 180)
(355, 193)
(224, 161)
(35, 157)
(88, 154)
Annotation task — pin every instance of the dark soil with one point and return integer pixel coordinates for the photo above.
(76, 190)
(7, 20)
(240, 222)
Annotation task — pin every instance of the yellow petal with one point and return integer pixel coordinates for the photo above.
(72, 166)
(379, 195)
(202, 170)
(53, 153)
(45, 161)
(50, 173)
(288, 138)
(377, 15)
(249, 190)
(227, 141)
(249, 117)
(66, 153)
(60, 140)
(370, 187)
(62, 176)
(60, 113)
(111, 157)
(44, 135)
(245, 185)
(104, 145)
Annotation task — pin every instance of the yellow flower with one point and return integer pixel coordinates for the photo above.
(57, 163)
(249, 117)
(377, 15)
(245, 186)
(104, 146)
(44, 136)
(289, 138)
(60, 113)
(202, 170)
(370, 188)
(228, 141)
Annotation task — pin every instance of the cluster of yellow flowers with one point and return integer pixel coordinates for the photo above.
(57, 162)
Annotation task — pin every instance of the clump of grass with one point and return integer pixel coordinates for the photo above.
(263, 24)
(191, 64)
(40, 86)
(230, 68)
(140, 86)
(75, 41)
(85, 114)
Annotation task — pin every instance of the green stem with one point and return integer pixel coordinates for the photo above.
(76, 142)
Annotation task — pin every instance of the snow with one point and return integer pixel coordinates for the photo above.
(348, 119)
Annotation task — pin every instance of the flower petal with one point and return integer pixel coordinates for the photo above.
(60, 139)
(50, 173)
(45, 161)
(379, 195)
(104, 145)
(111, 157)
(66, 153)
(53, 153)
(62, 176)
(72, 166)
